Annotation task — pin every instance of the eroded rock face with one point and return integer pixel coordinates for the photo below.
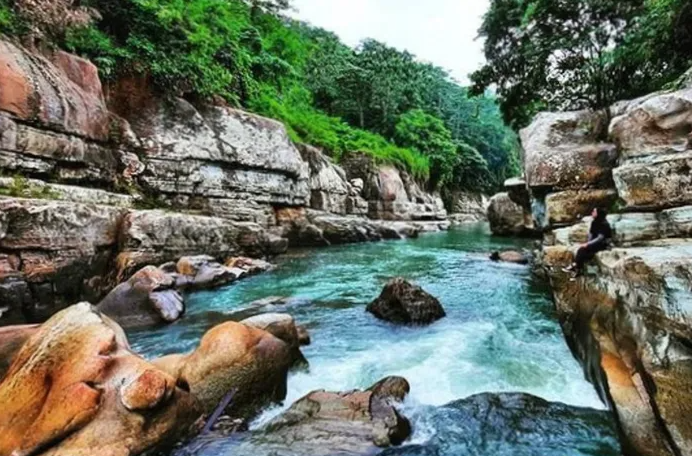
(468, 208)
(508, 218)
(630, 324)
(55, 253)
(234, 356)
(404, 303)
(221, 156)
(74, 386)
(326, 423)
(155, 237)
(330, 189)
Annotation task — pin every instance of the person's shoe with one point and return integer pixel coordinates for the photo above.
(569, 269)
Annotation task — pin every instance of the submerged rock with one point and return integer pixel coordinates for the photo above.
(404, 303)
(327, 423)
(510, 256)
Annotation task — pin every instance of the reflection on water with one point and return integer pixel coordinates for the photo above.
(500, 333)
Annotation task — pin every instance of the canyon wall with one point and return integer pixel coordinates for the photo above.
(629, 318)
(97, 182)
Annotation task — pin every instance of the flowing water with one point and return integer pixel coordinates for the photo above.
(500, 335)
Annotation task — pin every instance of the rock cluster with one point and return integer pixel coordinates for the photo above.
(75, 387)
(628, 319)
(107, 185)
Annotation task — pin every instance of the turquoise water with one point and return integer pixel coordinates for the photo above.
(500, 333)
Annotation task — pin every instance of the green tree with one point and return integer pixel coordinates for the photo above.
(546, 54)
(427, 134)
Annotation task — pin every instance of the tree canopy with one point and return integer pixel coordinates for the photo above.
(373, 99)
(572, 54)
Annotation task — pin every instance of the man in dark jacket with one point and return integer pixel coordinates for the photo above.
(600, 234)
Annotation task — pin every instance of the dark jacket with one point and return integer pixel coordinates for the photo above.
(600, 233)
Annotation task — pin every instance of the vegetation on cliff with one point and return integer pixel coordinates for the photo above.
(373, 99)
(547, 55)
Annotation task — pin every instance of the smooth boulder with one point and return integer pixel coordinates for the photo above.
(510, 256)
(234, 356)
(75, 388)
(404, 303)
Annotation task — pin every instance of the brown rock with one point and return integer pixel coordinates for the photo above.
(12, 338)
(510, 256)
(69, 388)
(233, 355)
(402, 302)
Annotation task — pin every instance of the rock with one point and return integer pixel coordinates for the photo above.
(507, 217)
(147, 298)
(154, 237)
(573, 205)
(566, 151)
(631, 319)
(518, 192)
(12, 338)
(468, 208)
(490, 423)
(657, 125)
(628, 229)
(213, 157)
(251, 266)
(404, 303)
(75, 382)
(303, 335)
(204, 272)
(61, 253)
(329, 186)
(662, 182)
(510, 256)
(282, 326)
(326, 423)
(234, 356)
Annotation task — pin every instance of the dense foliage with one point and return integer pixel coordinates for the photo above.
(373, 99)
(557, 55)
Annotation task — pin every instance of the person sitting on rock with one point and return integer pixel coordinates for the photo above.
(600, 234)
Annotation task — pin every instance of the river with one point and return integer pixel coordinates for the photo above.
(500, 335)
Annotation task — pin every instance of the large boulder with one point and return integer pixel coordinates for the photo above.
(283, 326)
(507, 217)
(566, 150)
(147, 298)
(329, 187)
(405, 303)
(12, 338)
(55, 253)
(655, 125)
(327, 423)
(234, 356)
(75, 387)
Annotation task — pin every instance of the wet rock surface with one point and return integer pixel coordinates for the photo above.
(507, 217)
(404, 303)
(329, 423)
(514, 423)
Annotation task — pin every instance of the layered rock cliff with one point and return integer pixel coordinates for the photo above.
(98, 182)
(629, 319)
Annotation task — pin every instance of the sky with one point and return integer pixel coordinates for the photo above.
(442, 32)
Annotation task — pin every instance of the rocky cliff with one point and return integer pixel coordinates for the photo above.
(629, 319)
(97, 182)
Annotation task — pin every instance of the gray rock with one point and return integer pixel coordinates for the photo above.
(404, 303)
(508, 218)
